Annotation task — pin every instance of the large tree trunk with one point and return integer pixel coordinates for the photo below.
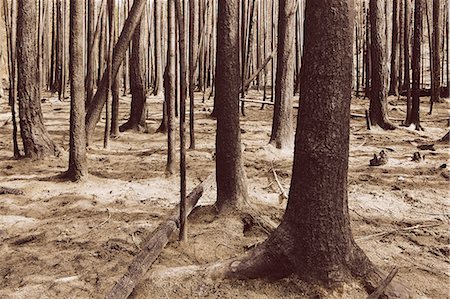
(36, 140)
(378, 89)
(95, 109)
(230, 176)
(393, 86)
(282, 126)
(136, 121)
(436, 68)
(415, 64)
(314, 239)
(77, 152)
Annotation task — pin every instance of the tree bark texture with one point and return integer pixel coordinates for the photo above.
(378, 90)
(77, 152)
(36, 141)
(282, 126)
(231, 184)
(136, 120)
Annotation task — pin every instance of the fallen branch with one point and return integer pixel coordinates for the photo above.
(283, 196)
(384, 284)
(154, 245)
(255, 74)
(4, 190)
(262, 102)
(410, 228)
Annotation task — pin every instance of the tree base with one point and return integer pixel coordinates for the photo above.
(133, 126)
(265, 262)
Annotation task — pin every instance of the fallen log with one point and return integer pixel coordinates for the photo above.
(155, 244)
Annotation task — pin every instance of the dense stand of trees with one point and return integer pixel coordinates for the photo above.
(223, 49)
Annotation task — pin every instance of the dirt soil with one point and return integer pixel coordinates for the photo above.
(67, 240)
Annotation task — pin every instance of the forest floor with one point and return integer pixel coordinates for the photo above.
(67, 240)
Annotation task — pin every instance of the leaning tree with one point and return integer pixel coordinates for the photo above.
(314, 239)
(36, 141)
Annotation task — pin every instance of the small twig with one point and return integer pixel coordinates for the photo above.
(134, 241)
(109, 217)
(364, 142)
(410, 228)
(384, 284)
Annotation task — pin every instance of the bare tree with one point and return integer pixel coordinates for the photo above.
(393, 85)
(77, 152)
(136, 120)
(94, 110)
(378, 90)
(282, 126)
(169, 87)
(314, 239)
(416, 64)
(230, 176)
(36, 141)
(436, 66)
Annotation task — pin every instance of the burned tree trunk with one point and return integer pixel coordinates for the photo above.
(230, 176)
(90, 58)
(169, 87)
(415, 64)
(378, 90)
(36, 141)
(314, 239)
(393, 85)
(120, 49)
(406, 54)
(136, 121)
(436, 68)
(77, 152)
(282, 126)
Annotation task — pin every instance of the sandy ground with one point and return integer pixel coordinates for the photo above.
(66, 240)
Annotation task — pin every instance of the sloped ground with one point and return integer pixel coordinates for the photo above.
(66, 240)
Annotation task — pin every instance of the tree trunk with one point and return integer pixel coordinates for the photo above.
(406, 48)
(36, 140)
(90, 46)
(367, 61)
(77, 152)
(169, 87)
(158, 89)
(10, 14)
(416, 64)
(378, 90)
(393, 86)
(436, 75)
(136, 121)
(183, 94)
(282, 126)
(230, 176)
(94, 110)
(314, 239)
(193, 42)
